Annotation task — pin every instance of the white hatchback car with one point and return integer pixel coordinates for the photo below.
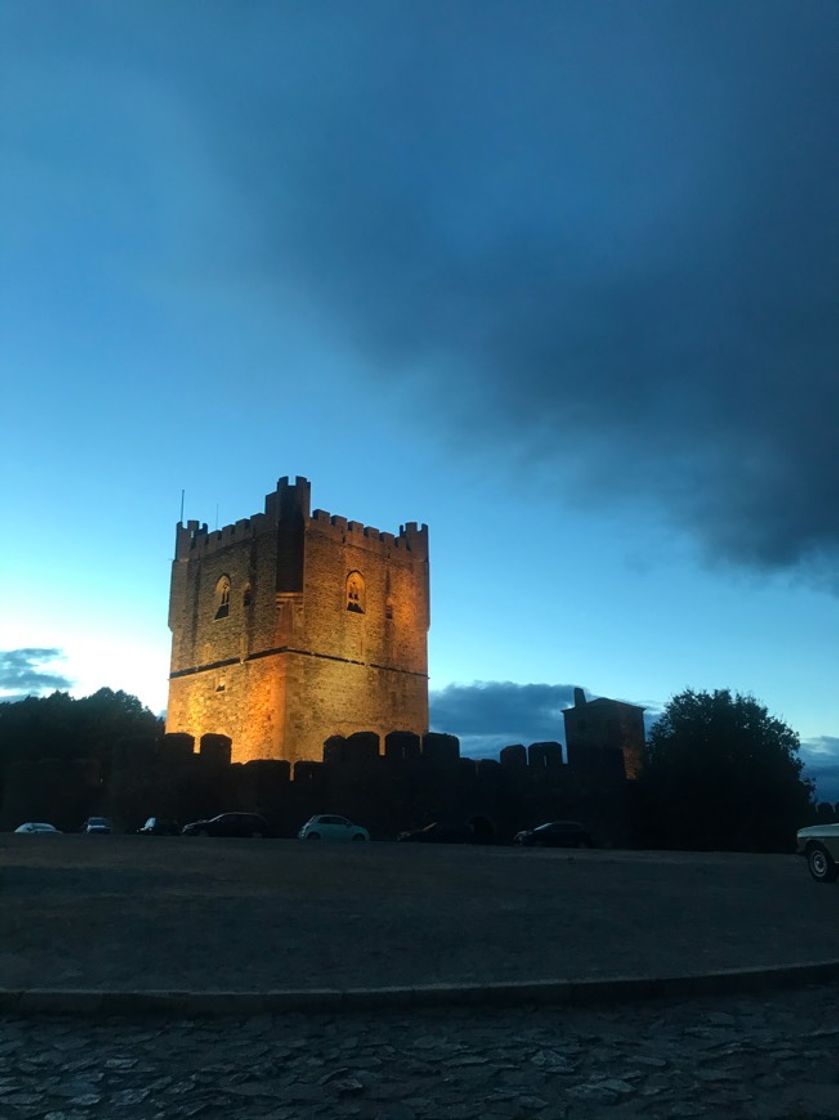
(37, 826)
(326, 827)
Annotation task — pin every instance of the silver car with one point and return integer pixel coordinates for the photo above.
(98, 825)
(819, 844)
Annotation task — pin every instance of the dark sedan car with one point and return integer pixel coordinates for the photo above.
(555, 834)
(229, 824)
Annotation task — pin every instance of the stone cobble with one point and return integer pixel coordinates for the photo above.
(773, 1057)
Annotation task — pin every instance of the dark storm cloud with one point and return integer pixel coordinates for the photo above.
(600, 240)
(21, 674)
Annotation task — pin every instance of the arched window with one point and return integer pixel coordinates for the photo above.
(355, 592)
(223, 597)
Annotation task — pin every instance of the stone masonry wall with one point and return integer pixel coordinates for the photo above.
(287, 664)
(402, 782)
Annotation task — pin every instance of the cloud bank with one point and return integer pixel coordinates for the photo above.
(488, 715)
(22, 673)
(605, 236)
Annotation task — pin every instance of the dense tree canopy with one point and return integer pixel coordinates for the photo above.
(722, 773)
(60, 727)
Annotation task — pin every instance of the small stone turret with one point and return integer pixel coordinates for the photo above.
(593, 727)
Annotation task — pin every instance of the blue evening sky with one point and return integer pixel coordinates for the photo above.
(558, 279)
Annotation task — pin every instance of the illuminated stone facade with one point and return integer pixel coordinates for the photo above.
(291, 626)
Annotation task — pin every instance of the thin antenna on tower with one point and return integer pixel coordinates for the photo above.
(216, 515)
(183, 492)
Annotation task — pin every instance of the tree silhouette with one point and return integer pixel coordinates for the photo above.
(59, 727)
(721, 773)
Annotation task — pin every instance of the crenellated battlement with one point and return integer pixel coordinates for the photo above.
(195, 539)
(536, 764)
(411, 537)
(291, 499)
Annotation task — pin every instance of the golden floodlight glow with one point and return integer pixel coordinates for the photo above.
(291, 626)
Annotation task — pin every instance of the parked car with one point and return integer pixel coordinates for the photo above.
(38, 826)
(439, 833)
(555, 834)
(326, 826)
(229, 824)
(160, 826)
(100, 825)
(819, 844)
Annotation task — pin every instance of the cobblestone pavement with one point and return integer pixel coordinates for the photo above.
(734, 1057)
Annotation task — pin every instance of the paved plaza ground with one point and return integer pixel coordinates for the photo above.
(129, 912)
(136, 912)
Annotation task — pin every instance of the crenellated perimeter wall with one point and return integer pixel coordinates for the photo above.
(402, 782)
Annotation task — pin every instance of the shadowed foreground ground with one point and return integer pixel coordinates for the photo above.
(124, 912)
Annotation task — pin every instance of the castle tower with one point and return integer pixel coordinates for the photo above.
(604, 724)
(291, 626)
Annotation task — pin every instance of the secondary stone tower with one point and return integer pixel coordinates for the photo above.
(291, 626)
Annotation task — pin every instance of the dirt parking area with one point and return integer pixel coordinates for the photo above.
(128, 912)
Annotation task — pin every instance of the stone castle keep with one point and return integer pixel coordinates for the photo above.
(291, 626)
